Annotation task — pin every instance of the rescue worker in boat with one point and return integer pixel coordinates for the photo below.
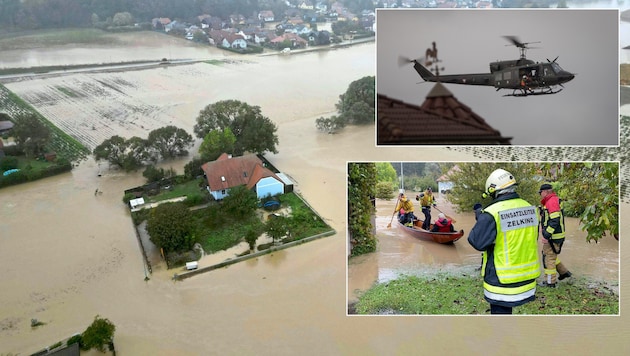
(405, 210)
(426, 201)
(553, 233)
(442, 224)
(506, 232)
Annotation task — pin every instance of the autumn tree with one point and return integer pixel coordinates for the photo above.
(169, 141)
(170, 227)
(31, 135)
(254, 132)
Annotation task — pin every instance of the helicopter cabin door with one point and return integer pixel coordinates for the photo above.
(506, 78)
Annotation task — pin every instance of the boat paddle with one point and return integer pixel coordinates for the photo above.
(394, 213)
(448, 217)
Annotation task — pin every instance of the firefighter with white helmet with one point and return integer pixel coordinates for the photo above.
(506, 232)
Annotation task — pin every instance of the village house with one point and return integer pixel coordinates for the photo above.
(249, 170)
(445, 184)
(296, 41)
(160, 22)
(266, 16)
(233, 40)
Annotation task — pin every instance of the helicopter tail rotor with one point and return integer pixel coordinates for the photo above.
(402, 60)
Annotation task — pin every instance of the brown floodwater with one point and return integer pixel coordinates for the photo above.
(67, 255)
(400, 254)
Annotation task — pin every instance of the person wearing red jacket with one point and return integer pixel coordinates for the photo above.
(442, 224)
(553, 232)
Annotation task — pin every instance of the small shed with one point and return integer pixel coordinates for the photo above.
(134, 203)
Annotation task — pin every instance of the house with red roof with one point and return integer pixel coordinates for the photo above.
(249, 170)
(440, 120)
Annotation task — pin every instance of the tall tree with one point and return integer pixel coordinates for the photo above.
(31, 135)
(254, 132)
(98, 334)
(217, 142)
(170, 141)
(126, 154)
(386, 173)
(170, 227)
(356, 105)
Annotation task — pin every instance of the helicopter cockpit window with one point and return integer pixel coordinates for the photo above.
(556, 68)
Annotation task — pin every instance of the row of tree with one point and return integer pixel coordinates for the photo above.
(228, 126)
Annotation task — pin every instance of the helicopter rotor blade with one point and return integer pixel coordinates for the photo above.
(516, 42)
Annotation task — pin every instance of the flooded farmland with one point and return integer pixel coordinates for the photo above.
(67, 255)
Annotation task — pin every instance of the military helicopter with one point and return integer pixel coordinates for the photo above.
(523, 76)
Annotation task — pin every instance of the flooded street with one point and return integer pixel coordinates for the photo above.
(401, 254)
(67, 255)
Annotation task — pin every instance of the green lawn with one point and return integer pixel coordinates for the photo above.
(462, 294)
(188, 189)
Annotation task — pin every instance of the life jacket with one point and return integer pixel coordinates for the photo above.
(427, 200)
(443, 225)
(552, 202)
(515, 253)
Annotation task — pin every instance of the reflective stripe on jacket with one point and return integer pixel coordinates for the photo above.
(514, 264)
(552, 216)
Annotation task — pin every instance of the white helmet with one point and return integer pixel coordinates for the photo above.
(499, 180)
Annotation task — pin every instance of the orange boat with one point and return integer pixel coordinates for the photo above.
(440, 237)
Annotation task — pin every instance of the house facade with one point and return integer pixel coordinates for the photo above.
(228, 172)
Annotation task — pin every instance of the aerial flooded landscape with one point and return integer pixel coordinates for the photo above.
(70, 253)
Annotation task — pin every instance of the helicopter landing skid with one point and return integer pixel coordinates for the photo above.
(528, 92)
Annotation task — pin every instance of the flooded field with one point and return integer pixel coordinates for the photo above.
(67, 255)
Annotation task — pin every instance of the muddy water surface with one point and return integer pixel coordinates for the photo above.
(67, 255)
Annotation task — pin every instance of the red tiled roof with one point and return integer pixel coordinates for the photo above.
(440, 120)
(228, 172)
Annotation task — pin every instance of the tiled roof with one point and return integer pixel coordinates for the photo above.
(440, 120)
(228, 172)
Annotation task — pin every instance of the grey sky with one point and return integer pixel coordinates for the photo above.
(586, 42)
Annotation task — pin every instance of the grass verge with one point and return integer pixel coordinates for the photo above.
(447, 294)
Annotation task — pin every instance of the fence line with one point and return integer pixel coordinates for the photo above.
(231, 261)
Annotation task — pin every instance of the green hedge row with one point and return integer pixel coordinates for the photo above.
(29, 175)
